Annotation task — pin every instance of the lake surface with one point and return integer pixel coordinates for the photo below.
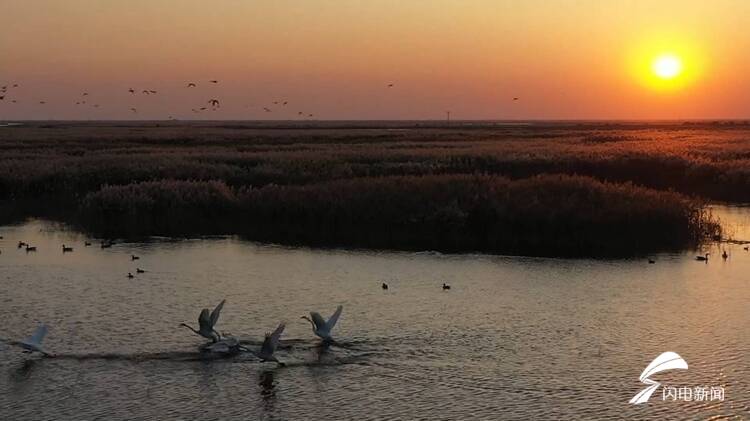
(515, 337)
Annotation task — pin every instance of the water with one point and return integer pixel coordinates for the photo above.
(515, 337)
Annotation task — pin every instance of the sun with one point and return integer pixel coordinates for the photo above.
(667, 66)
(667, 63)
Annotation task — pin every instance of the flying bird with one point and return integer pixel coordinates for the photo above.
(34, 342)
(42, 102)
(145, 91)
(213, 102)
(206, 323)
(85, 94)
(266, 109)
(390, 85)
(515, 98)
(2, 97)
(191, 85)
(153, 92)
(131, 90)
(321, 327)
(214, 81)
(135, 111)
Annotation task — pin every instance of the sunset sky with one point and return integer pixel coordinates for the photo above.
(334, 59)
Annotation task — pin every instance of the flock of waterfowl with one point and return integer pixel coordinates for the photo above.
(212, 104)
(207, 320)
(8, 94)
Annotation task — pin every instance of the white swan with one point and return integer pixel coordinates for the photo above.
(270, 344)
(206, 323)
(34, 342)
(321, 327)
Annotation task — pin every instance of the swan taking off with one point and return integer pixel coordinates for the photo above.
(206, 323)
(323, 328)
(270, 344)
(228, 345)
(34, 342)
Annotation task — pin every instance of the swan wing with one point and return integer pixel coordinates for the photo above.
(38, 335)
(204, 320)
(334, 318)
(216, 312)
(272, 341)
(317, 319)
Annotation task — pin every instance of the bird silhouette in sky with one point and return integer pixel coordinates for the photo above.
(214, 81)
(42, 102)
(85, 94)
(134, 110)
(2, 97)
(131, 90)
(191, 85)
(145, 91)
(390, 85)
(213, 102)
(153, 92)
(515, 98)
(268, 110)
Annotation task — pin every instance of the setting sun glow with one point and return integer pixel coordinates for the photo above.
(667, 66)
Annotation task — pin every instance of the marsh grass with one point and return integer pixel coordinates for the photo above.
(535, 190)
(555, 215)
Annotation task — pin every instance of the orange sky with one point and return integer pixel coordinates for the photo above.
(564, 59)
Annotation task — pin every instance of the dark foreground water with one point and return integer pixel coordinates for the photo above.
(515, 337)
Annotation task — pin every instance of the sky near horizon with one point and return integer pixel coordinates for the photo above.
(562, 59)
